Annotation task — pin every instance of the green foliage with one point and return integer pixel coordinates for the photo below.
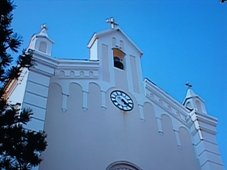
(20, 148)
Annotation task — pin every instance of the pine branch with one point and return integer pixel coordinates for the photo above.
(20, 148)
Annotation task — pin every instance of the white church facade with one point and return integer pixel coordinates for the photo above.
(99, 114)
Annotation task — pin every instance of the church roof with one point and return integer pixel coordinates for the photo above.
(110, 31)
(190, 93)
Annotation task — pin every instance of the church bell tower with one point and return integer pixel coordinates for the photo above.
(119, 57)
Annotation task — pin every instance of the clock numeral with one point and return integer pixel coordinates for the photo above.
(113, 98)
(115, 102)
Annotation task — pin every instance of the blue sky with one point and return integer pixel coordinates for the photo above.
(182, 40)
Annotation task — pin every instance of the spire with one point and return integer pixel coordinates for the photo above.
(193, 101)
(190, 93)
(41, 42)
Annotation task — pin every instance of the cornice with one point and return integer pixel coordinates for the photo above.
(65, 68)
(170, 105)
(55, 62)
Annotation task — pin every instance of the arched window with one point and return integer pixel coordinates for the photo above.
(122, 165)
(43, 46)
(118, 57)
(188, 105)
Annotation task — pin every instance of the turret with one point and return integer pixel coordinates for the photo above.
(203, 130)
(41, 42)
(120, 58)
(193, 101)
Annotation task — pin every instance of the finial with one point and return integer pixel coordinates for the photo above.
(189, 85)
(44, 28)
(112, 22)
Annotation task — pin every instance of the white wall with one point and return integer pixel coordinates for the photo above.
(17, 94)
(96, 137)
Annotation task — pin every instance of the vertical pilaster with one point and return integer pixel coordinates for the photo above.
(85, 100)
(203, 130)
(103, 96)
(159, 123)
(64, 102)
(176, 132)
(141, 112)
(35, 97)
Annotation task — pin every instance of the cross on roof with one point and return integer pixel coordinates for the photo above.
(44, 29)
(112, 22)
(189, 85)
(44, 26)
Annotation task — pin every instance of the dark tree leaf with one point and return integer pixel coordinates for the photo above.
(20, 148)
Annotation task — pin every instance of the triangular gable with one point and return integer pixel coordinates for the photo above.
(110, 31)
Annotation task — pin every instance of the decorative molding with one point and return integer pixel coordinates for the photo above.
(41, 120)
(36, 94)
(202, 123)
(157, 96)
(40, 72)
(212, 162)
(38, 83)
(63, 68)
(38, 106)
(77, 74)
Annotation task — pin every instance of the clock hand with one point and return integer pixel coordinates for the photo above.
(123, 100)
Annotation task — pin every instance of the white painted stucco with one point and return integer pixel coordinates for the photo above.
(71, 101)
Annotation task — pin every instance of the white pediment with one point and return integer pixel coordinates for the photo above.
(109, 32)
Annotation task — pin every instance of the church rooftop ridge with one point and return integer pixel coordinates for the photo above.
(114, 27)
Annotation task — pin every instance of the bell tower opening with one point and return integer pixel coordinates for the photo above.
(118, 58)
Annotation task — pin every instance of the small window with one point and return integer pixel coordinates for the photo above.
(188, 105)
(43, 46)
(118, 57)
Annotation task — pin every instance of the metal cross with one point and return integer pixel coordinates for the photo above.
(189, 85)
(44, 26)
(112, 22)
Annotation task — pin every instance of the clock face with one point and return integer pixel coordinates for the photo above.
(121, 100)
